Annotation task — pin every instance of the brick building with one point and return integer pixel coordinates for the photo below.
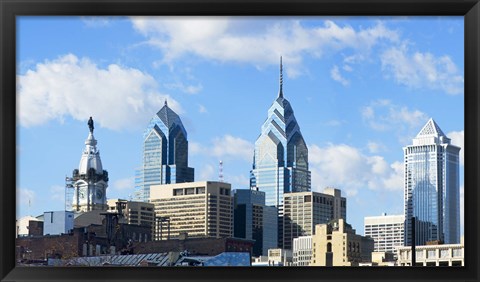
(195, 246)
(109, 238)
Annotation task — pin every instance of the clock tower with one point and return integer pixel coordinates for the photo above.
(90, 181)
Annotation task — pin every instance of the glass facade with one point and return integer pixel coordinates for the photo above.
(281, 157)
(255, 221)
(165, 154)
(431, 192)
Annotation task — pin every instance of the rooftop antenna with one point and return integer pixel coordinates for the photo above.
(280, 93)
(220, 171)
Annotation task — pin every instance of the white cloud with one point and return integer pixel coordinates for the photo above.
(25, 197)
(458, 140)
(207, 172)
(227, 146)
(117, 97)
(202, 109)
(230, 146)
(374, 147)
(335, 75)
(348, 169)
(124, 184)
(189, 89)
(383, 115)
(418, 70)
(195, 148)
(259, 43)
(57, 193)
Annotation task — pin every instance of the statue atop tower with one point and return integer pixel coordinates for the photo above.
(90, 125)
(90, 179)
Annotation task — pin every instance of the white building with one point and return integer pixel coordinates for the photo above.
(433, 255)
(302, 251)
(279, 257)
(57, 222)
(386, 231)
(90, 181)
(21, 229)
(432, 187)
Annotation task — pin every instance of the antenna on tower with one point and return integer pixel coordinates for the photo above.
(220, 171)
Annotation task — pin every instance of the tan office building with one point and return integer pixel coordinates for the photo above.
(336, 244)
(200, 209)
(139, 213)
(304, 210)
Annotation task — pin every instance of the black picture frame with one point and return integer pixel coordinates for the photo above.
(9, 9)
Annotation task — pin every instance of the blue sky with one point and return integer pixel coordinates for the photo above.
(361, 89)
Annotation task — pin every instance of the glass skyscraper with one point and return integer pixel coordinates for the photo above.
(165, 154)
(255, 221)
(280, 162)
(431, 187)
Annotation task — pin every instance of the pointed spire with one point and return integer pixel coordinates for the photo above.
(166, 102)
(431, 128)
(280, 93)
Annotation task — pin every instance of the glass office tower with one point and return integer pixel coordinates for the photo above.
(431, 187)
(280, 162)
(255, 221)
(165, 154)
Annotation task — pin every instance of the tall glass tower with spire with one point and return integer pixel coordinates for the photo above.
(431, 187)
(280, 162)
(165, 154)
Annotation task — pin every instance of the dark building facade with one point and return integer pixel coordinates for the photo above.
(92, 240)
(207, 246)
(255, 221)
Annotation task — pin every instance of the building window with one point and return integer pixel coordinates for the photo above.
(177, 192)
(457, 252)
(444, 253)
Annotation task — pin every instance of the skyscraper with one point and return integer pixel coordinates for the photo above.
(431, 187)
(281, 156)
(255, 221)
(165, 154)
(200, 209)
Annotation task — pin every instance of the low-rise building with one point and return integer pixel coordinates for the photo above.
(280, 257)
(57, 222)
(111, 237)
(195, 246)
(302, 251)
(386, 231)
(139, 213)
(337, 244)
(433, 255)
(22, 226)
(381, 259)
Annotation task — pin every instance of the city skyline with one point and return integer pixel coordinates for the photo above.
(361, 89)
